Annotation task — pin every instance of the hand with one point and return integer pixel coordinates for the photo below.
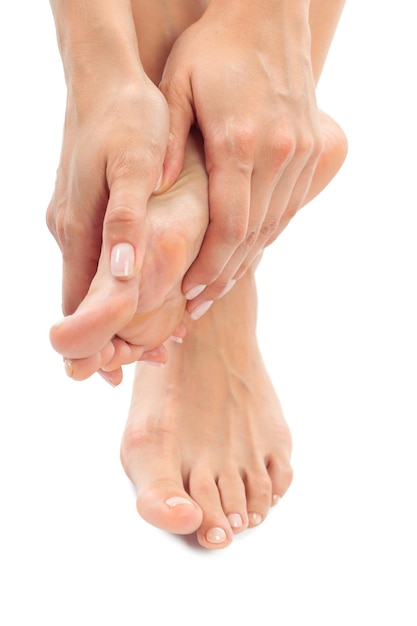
(114, 144)
(246, 80)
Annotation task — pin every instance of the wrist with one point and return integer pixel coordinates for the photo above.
(97, 41)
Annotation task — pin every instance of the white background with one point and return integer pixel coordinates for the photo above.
(339, 336)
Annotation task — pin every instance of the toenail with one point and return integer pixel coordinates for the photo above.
(69, 370)
(235, 520)
(176, 500)
(275, 499)
(201, 309)
(255, 519)
(194, 292)
(216, 535)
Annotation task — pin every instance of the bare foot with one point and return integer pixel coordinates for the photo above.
(121, 322)
(206, 444)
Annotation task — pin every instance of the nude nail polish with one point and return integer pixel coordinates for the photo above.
(177, 500)
(255, 519)
(201, 309)
(194, 292)
(235, 520)
(122, 260)
(216, 535)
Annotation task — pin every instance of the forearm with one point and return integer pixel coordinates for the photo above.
(288, 13)
(97, 40)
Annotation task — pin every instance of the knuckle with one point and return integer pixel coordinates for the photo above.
(268, 228)
(234, 231)
(217, 288)
(237, 140)
(63, 226)
(284, 147)
(131, 163)
(263, 488)
(251, 237)
(120, 215)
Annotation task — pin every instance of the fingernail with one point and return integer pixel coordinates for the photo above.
(122, 260)
(154, 363)
(201, 309)
(255, 518)
(235, 520)
(216, 535)
(159, 181)
(275, 499)
(176, 339)
(228, 287)
(194, 292)
(104, 377)
(176, 500)
(68, 367)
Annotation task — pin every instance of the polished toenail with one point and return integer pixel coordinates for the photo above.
(201, 309)
(235, 520)
(69, 370)
(194, 292)
(255, 518)
(177, 500)
(275, 499)
(216, 535)
(122, 261)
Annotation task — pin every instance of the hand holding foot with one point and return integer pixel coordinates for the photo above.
(121, 322)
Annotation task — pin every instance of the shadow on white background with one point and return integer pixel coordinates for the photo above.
(339, 338)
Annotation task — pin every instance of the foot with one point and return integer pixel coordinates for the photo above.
(121, 322)
(206, 444)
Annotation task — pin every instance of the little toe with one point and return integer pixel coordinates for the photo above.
(281, 474)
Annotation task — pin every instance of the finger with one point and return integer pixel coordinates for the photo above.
(181, 118)
(124, 354)
(79, 265)
(229, 201)
(132, 181)
(81, 369)
(157, 356)
(114, 378)
(262, 186)
(80, 242)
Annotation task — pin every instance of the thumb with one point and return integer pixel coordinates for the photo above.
(181, 116)
(124, 221)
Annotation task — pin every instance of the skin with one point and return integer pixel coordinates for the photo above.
(213, 455)
(122, 138)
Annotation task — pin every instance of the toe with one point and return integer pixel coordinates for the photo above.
(166, 505)
(215, 531)
(153, 464)
(258, 495)
(281, 474)
(233, 498)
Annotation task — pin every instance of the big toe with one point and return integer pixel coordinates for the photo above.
(167, 506)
